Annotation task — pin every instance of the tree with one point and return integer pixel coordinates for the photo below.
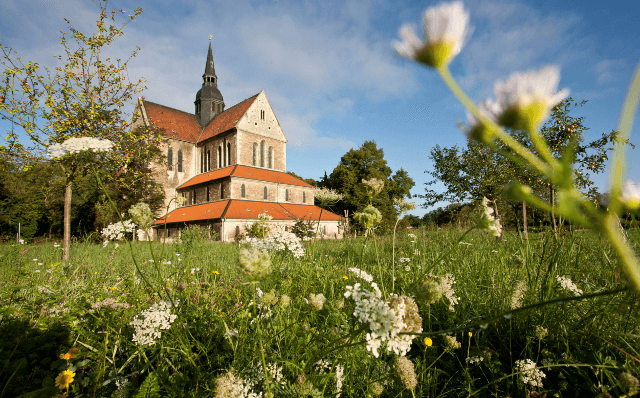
(83, 98)
(365, 163)
(479, 170)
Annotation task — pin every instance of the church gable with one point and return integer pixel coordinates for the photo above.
(260, 119)
(176, 124)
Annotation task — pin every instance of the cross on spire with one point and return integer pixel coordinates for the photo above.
(210, 36)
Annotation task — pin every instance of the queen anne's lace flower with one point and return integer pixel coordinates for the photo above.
(326, 196)
(518, 295)
(404, 207)
(279, 240)
(445, 30)
(567, 284)
(117, 230)
(228, 385)
(487, 221)
(75, 145)
(385, 320)
(150, 322)
(531, 375)
(374, 186)
(362, 274)
(406, 372)
(369, 217)
(256, 263)
(141, 215)
(317, 301)
(525, 98)
(447, 283)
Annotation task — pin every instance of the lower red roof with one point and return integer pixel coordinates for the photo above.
(245, 209)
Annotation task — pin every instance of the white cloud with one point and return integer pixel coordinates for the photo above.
(609, 70)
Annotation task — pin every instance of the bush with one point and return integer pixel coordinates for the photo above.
(304, 229)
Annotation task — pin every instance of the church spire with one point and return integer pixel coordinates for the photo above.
(209, 101)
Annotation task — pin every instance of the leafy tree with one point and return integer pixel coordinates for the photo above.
(365, 163)
(84, 97)
(309, 181)
(478, 170)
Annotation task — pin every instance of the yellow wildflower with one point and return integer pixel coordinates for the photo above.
(428, 342)
(65, 356)
(64, 379)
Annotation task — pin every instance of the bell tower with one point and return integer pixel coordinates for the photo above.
(209, 101)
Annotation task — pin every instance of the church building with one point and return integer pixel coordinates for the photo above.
(230, 165)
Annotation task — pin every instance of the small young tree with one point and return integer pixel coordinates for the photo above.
(83, 97)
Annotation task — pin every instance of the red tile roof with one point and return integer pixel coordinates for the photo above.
(250, 210)
(268, 175)
(195, 213)
(310, 212)
(253, 173)
(245, 209)
(184, 124)
(210, 176)
(226, 120)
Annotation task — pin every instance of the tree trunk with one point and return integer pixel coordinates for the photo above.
(524, 220)
(67, 222)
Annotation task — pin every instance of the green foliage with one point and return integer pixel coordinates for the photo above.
(258, 229)
(150, 387)
(365, 163)
(193, 352)
(304, 228)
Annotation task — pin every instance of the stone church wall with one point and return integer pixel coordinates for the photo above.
(213, 144)
(245, 144)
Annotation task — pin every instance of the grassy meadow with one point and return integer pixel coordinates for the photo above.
(223, 331)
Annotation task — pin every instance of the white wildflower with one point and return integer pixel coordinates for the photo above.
(447, 282)
(117, 230)
(256, 263)
(518, 295)
(525, 98)
(141, 215)
(531, 375)
(567, 284)
(452, 342)
(473, 360)
(339, 379)
(362, 274)
(279, 240)
(445, 30)
(150, 322)
(317, 301)
(487, 221)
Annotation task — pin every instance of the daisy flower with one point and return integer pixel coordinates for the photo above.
(64, 379)
(445, 30)
(525, 98)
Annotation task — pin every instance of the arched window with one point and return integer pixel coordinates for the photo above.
(304, 197)
(170, 159)
(286, 195)
(261, 153)
(180, 160)
(242, 191)
(270, 158)
(219, 157)
(255, 154)
(228, 154)
(265, 193)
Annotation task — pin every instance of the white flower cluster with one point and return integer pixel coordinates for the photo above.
(279, 240)
(339, 379)
(264, 217)
(75, 145)
(317, 301)
(228, 385)
(362, 274)
(404, 260)
(567, 284)
(141, 215)
(446, 283)
(452, 342)
(384, 320)
(117, 230)
(530, 373)
(374, 185)
(412, 236)
(255, 375)
(488, 222)
(473, 360)
(326, 196)
(518, 295)
(149, 322)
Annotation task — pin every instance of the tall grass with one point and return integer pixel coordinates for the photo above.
(585, 347)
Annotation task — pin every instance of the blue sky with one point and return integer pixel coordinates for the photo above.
(331, 75)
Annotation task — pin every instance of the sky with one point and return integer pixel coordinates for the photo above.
(332, 77)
